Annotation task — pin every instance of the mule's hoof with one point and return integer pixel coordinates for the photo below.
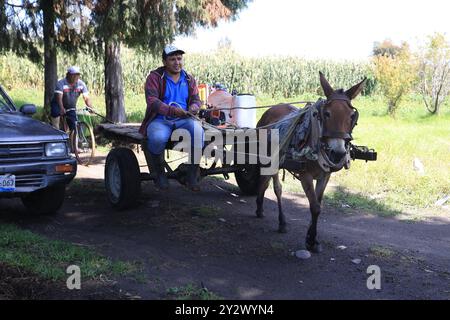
(259, 214)
(282, 229)
(314, 248)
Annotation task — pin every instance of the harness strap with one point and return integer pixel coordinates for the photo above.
(337, 134)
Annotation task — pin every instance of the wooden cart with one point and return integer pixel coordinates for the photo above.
(123, 175)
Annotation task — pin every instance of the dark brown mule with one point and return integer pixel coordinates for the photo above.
(338, 119)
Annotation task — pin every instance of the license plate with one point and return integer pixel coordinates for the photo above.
(7, 183)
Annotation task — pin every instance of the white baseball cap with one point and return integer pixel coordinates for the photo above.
(170, 49)
(73, 70)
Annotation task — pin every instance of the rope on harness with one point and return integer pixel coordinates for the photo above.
(206, 124)
(260, 107)
(210, 126)
(312, 150)
(285, 137)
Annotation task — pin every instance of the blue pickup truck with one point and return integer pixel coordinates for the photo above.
(35, 163)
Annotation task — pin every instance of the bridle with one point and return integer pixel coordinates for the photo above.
(347, 136)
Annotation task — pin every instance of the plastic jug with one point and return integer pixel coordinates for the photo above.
(244, 114)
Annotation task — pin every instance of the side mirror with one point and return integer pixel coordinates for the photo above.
(28, 109)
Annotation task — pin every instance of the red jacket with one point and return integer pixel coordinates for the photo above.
(155, 87)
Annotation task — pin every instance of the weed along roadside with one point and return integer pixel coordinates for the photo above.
(26, 255)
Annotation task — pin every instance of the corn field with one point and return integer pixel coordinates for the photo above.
(275, 76)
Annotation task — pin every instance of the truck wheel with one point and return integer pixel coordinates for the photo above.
(45, 201)
(122, 178)
(248, 179)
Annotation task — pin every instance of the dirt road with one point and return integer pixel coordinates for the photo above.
(213, 239)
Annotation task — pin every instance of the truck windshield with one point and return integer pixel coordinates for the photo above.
(5, 103)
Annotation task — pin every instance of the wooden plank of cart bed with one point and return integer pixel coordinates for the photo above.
(125, 132)
(128, 132)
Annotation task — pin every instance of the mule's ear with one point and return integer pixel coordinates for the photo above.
(355, 90)
(327, 89)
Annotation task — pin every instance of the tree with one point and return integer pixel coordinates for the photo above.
(147, 24)
(385, 48)
(435, 72)
(396, 75)
(27, 26)
(150, 24)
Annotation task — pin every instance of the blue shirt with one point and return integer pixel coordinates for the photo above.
(176, 91)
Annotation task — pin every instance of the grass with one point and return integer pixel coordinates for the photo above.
(192, 292)
(392, 180)
(205, 211)
(389, 185)
(381, 252)
(343, 198)
(49, 259)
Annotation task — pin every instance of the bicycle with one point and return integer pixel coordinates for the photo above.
(81, 138)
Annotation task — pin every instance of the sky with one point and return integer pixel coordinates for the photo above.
(338, 30)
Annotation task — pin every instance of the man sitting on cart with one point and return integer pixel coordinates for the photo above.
(171, 92)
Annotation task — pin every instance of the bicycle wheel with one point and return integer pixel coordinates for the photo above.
(85, 143)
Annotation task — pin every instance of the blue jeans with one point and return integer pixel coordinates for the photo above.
(159, 131)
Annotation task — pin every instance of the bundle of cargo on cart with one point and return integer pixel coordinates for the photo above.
(233, 117)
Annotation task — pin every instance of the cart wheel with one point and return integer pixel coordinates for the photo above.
(248, 179)
(122, 178)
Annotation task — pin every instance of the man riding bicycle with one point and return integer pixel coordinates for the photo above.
(64, 100)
